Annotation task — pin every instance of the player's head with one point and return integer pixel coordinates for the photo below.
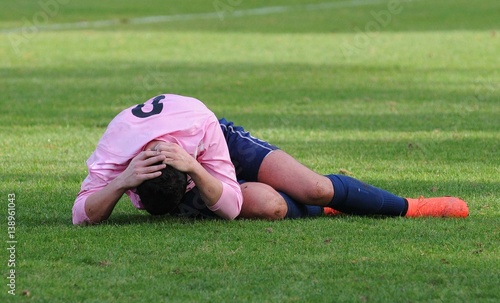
(164, 193)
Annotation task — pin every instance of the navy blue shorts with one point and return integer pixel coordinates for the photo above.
(247, 154)
(246, 151)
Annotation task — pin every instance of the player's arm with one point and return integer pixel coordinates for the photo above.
(212, 172)
(100, 204)
(209, 186)
(216, 161)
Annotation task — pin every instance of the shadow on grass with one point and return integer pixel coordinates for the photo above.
(137, 219)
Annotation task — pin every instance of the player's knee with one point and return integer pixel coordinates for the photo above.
(318, 193)
(272, 207)
(260, 201)
(277, 208)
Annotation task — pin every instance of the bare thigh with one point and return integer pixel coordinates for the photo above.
(283, 173)
(261, 201)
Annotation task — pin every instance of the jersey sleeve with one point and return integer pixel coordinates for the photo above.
(91, 184)
(99, 176)
(215, 159)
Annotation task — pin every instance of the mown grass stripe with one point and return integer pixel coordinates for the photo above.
(261, 11)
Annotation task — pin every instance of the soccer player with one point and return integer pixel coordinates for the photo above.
(192, 142)
(184, 134)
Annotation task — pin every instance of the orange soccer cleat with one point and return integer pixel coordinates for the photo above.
(328, 211)
(437, 207)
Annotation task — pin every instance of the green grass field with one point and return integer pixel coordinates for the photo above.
(405, 95)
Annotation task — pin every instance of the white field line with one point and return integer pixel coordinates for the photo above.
(262, 11)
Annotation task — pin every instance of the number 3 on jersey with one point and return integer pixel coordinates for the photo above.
(157, 108)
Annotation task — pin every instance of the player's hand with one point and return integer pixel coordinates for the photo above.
(141, 168)
(176, 156)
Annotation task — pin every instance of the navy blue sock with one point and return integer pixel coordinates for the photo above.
(355, 197)
(298, 210)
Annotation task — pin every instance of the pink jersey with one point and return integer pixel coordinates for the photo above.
(171, 118)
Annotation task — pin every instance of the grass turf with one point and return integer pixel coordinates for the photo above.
(412, 108)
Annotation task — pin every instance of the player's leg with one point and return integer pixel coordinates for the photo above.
(349, 195)
(284, 173)
(261, 201)
(257, 160)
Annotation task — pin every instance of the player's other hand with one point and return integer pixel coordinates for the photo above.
(176, 156)
(142, 167)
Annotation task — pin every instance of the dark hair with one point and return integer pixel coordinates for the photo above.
(164, 193)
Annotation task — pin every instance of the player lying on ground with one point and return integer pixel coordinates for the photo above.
(276, 185)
